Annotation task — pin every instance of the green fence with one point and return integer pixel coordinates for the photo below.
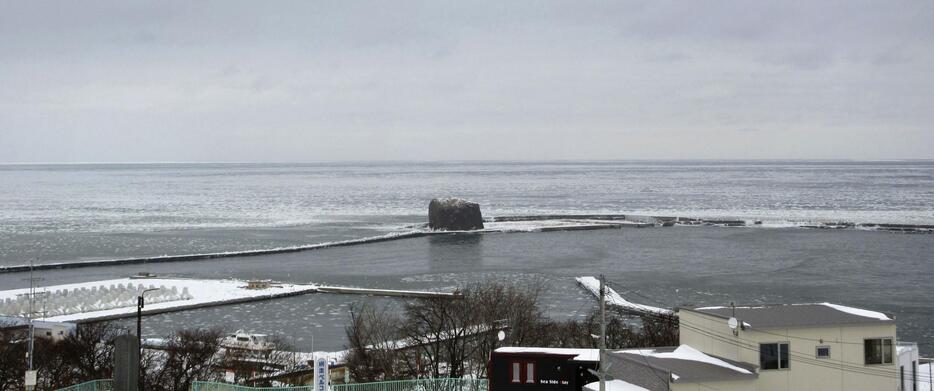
(395, 385)
(93, 385)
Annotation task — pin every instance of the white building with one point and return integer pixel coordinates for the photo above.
(818, 346)
(52, 330)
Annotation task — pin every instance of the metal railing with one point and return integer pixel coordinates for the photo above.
(93, 385)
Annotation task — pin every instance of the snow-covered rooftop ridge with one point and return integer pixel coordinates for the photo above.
(686, 352)
(579, 354)
(592, 284)
(858, 311)
(614, 385)
(842, 308)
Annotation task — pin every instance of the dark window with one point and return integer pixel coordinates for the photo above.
(878, 351)
(773, 355)
(823, 352)
(914, 376)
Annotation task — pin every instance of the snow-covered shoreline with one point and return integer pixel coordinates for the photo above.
(200, 293)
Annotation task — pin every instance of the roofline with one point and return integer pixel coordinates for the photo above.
(869, 321)
(568, 356)
(754, 374)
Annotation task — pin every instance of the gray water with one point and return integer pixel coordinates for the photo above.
(64, 213)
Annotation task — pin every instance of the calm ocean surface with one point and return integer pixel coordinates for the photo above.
(75, 212)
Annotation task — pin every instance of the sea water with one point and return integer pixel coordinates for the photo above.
(78, 212)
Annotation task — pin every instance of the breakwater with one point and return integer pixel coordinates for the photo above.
(544, 223)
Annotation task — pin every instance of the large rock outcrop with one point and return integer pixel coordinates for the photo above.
(454, 214)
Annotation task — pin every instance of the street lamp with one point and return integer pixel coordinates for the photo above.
(140, 302)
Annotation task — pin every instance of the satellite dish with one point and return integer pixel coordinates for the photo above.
(501, 335)
(732, 323)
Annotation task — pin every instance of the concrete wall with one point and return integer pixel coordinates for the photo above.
(844, 370)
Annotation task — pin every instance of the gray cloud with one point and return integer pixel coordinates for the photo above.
(240, 81)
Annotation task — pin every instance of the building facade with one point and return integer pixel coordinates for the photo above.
(801, 347)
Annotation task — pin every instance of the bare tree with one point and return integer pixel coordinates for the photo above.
(189, 355)
(13, 362)
(374, 340)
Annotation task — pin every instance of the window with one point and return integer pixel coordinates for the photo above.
(878, 351)
(773, 355)
(914, 376)
(516, 374)
(823, 352)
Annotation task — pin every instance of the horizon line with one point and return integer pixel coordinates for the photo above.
(63, 163)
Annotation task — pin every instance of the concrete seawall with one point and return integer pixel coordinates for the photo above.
(589, 222)
(205, 256)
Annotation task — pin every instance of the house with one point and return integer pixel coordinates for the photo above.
(815, 346)
(541, 369)
(818, 346)
(55, 331)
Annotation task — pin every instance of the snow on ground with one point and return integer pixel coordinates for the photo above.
(858, 311)
(685, 352)
(199, 293)
(614, 385)
(592, 284)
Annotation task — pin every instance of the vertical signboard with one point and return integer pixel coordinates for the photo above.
(322, 377)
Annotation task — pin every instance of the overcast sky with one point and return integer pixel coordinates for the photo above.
(84, 81)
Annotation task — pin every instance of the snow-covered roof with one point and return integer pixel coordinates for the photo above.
(797, 315)
(684, 363)
(579, 354)
(614, 385)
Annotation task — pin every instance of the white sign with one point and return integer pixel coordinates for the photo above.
(30, 379)
(322, 377)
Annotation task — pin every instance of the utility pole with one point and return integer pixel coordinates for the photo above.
(30, 378)
(602, 333)
(140, 303)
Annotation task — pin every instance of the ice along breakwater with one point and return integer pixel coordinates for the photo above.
(97, 301)
(501, 224)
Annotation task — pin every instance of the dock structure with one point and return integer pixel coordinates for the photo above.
(388, 292)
